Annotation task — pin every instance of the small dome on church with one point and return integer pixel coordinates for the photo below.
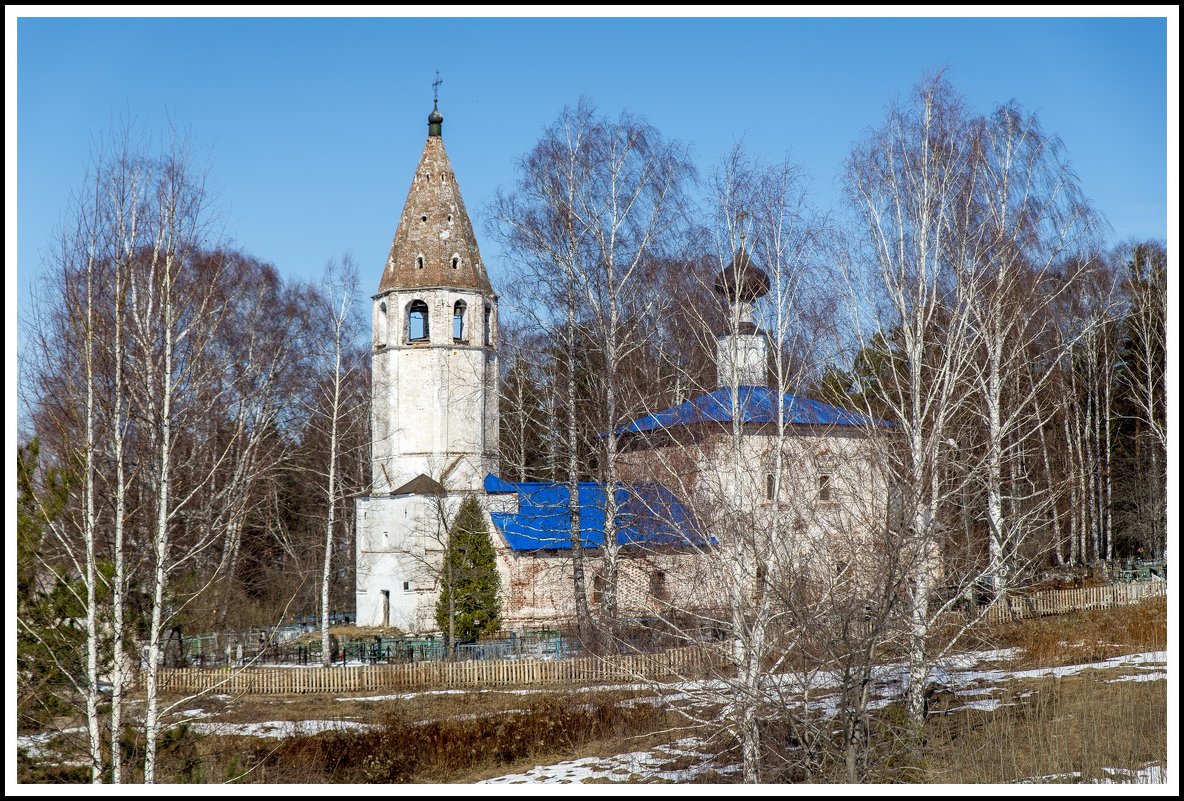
(742, 280)
(435, 118)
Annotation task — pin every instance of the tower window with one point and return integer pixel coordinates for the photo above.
(769, 487)
(458, 320)
(455, 262)
(423, 218)
(419, 262)
(417, 321)
(488, 320)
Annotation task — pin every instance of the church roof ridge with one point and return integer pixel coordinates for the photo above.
(757, 405)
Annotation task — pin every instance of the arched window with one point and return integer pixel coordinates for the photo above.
(419, 262)
(417, 321)
(458, 320)
(380, 327)
(455, 262)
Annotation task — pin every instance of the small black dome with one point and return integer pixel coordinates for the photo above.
(435, 118)
(742, 280)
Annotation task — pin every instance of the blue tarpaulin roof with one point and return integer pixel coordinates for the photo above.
(756, 405)
(648, 514)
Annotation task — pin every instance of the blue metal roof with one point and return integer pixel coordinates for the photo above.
(647, 514)
(756, 404)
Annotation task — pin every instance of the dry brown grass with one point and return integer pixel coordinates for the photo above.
(455, 750)
(1072, 728)
(1086, 636)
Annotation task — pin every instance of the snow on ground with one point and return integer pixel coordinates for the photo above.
(644, 766)
(38, 745)
(1136, 660)
(194, 713)
(957, 673)
(1151, 774)
(281, 728)
(1158, 675)
(404, 696)
(986, 705)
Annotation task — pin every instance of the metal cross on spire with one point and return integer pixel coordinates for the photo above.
(436, 88)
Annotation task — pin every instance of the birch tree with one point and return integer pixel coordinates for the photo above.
(748, 480)
(1029, 219)
(335, 340)
(80, 308)
(907, 182)
(1142, 378)
(596, 205)
(173, 315)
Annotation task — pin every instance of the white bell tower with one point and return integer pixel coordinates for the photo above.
(435, 372)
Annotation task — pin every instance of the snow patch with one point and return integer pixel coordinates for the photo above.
(635, 765)
(1157, 676)
(281, 728)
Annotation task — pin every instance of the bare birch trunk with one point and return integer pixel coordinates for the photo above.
(994, 471)
(583, 618)
(160, 539)
(118, 679)
(88, 533)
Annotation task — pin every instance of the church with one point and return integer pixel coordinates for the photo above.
(435, 385)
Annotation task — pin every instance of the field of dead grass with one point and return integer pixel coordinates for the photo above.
(1076, 729)
(1081, 727)
(1090, 635)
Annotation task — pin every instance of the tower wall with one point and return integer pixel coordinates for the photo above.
(742, 360)
(435, 402)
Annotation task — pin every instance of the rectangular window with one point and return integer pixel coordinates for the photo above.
(769, 487)
(824, 488)
(406, 586)
(597, 589)
(658, 587)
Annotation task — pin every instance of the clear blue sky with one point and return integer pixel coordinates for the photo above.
(311, 128)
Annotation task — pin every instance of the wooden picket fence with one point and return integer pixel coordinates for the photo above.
(1054, 602)
(674, 663)
(677, 662)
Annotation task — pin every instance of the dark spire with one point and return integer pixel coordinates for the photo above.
(435, 119)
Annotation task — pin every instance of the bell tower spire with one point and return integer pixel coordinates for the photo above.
(435, 374)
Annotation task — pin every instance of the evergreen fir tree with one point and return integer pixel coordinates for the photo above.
(469, 602)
